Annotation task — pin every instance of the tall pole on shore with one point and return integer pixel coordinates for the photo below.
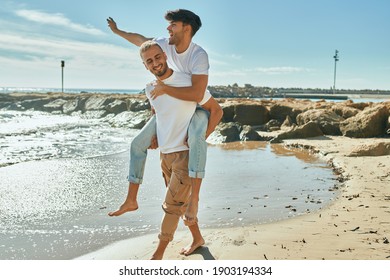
(62, 75)
(336, 58)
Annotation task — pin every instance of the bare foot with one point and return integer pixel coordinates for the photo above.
(159, 253)
(191, 212)
(125, 207)
(192, 247)
(156, 257)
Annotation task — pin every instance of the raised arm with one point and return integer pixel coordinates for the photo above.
(134, 38)
(192, 93)
(216, 114)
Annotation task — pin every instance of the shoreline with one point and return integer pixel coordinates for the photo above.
(354, 226)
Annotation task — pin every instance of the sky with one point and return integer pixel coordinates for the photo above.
(278, 43)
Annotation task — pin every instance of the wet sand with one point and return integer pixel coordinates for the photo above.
(57, 209)
(355, 226)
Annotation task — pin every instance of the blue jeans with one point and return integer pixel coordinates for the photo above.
(196, 142)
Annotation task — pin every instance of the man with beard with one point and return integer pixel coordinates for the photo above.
(173, 117)
(183, 56)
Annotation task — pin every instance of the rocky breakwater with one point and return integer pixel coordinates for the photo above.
(243, 120)
(276, 120)
(120, 110)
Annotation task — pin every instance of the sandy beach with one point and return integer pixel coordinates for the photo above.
(355, 226)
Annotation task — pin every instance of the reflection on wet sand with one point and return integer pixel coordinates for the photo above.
(247, 145)
(278, 149)
(301, 154)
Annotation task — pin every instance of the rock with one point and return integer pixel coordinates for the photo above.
(230, 132)
(345, 111)
(374, 150)
(360, 105)
(249, 134)
(328, 120)
(72, 105)
(371, 122)
(250, 114)
(136, 105)
(310, 129)
(55, 105)
(97, 103)
(11, 106)
(215, 138)
(94, 114)
(121, 119)
(388, 125)
(228, 113)
(130, 119)
(6, 98)
(287, 124)
(116, 107)
(273, 125)
(140, 119)
(245, 112)
(281, 111)
(35, 104)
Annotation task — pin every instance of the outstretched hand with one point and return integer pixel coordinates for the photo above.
(111, 23)
(159, 89)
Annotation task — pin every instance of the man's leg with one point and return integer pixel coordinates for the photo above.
(197, 159)
(175, 169)
(197, 240)
(159, 253)
(170, 206)
(138, 153)
(130, 203)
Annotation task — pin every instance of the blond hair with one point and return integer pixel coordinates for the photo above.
(147, 45)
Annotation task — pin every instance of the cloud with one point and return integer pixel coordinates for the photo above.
(281, 70)
(32, 61)
(57, 19)
(228, 73)
(261, 70)
(54, 47)
(236, 56)
(217, 58)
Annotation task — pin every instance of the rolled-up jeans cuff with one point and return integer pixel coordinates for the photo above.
(134, 180)
(196, 174)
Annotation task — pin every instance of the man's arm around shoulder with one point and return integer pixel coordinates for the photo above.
(191, 93)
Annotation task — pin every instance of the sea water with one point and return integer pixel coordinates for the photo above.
(61, 175)
(34, 135)
(67, 90)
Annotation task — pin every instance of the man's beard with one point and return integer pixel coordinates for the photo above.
(161, 72)
(175, 38)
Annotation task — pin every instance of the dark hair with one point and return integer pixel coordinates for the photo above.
(186, 17)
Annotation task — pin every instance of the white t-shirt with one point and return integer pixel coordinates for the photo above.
(194, 61)
(173, 115)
